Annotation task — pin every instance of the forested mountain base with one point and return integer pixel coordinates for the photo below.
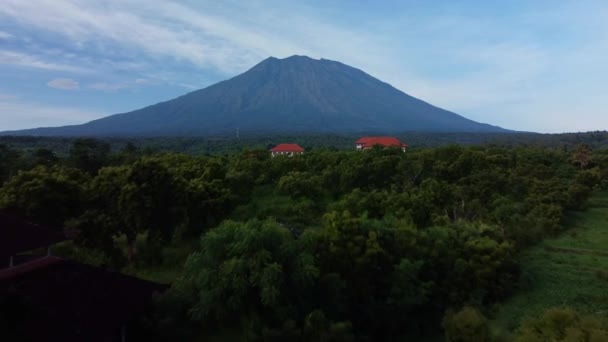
(231, 144)
(378, 245)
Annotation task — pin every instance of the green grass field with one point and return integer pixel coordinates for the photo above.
(570, 270)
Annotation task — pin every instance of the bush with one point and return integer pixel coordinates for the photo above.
(150, 252)
(557, 325)
(466, 325)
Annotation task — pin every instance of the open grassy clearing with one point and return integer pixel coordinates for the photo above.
(569, 270)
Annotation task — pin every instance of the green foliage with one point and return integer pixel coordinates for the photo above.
(300, 184)
(318, 328)
(150, 200)
(219, 145)
(331, 245)
(44, 156)
(562, 270)
(240, 274)
(10, 161)
(470, 262)
(246, 270)
(89, 155)
(97, 257)
(351, 251)
(96, 231)
(45, 195)
(564, 325)
(466, 325)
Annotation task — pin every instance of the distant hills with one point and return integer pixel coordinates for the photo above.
(296, 94)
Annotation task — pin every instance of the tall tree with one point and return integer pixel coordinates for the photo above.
(150, 201)
(250, 272)
(89, 155)
(46, 195)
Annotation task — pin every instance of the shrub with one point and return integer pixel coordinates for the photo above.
(466, 325)
(563, 324)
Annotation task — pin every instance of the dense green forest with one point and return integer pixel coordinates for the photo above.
(231, 144)
(334, 245)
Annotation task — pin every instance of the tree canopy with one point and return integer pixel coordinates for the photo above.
(327, 246)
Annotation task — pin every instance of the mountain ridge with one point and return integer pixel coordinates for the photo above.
(296, 94)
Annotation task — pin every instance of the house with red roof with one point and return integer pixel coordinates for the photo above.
(366, 143)
(48, 298)
(286, 150)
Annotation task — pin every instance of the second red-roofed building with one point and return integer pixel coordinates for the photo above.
(286, 150)
(366, 143)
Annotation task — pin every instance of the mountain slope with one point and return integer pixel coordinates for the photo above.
(295, 94)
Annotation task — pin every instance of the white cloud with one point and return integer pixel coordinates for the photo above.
(7, 97)
(145, 81)
(105, 86)
(498, 70)
(230, 42)
(84, 23)
(108, 86)
(64, 84)
(5, 35)
(21, 115)
(38, 62)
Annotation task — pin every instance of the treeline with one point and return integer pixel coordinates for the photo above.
(231, 144)
(328, 246)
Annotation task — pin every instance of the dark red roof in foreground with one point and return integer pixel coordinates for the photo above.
(35, 263)
(67, 301)
(287, 148)
(383, 141)
(17, 235)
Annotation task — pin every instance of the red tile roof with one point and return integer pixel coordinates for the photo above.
(28, 266)
(287, 148)
(67, 301)
(54, 299)
(18, 235)
(369, 142)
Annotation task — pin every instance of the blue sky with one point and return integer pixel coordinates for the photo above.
(526, 65)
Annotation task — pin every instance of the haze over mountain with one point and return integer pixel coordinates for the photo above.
(295, 94)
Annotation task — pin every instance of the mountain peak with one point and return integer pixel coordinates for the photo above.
(293, 94)
(299, 58)
(291, 58)
(294, 59)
